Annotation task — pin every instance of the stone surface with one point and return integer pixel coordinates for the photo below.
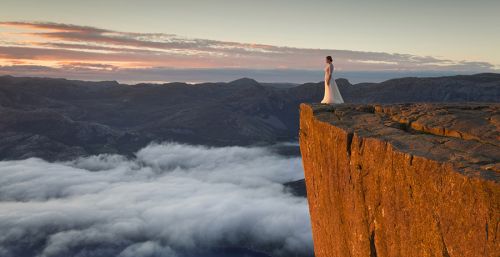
(402, 179)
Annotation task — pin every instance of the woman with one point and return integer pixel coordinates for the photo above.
(332, 94)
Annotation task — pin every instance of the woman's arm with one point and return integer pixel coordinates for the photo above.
(329, 74)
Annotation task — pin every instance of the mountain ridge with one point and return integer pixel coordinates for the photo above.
(485, 76)
(74, 117)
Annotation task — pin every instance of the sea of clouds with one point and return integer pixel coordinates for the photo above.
(170, 200)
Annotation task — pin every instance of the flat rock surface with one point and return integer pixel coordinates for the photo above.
(466, 135)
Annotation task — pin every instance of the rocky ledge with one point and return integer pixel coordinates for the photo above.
(403, 179)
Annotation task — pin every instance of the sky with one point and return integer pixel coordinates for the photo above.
(220, 40)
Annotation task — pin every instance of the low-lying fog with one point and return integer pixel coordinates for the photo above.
(171, 200)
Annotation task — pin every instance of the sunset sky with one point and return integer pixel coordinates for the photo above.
(218, 40)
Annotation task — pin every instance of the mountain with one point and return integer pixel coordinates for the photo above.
(58, 119)
(464, 88)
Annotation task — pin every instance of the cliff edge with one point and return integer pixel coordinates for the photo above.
(402, 179)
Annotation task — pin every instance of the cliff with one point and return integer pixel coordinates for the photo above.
(402, 179)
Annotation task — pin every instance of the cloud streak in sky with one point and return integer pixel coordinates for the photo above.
(61, 46)
(171, 200)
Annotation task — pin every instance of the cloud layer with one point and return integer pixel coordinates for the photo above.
(74, 51)
(171, 200)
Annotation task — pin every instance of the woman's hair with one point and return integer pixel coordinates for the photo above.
(329, 58)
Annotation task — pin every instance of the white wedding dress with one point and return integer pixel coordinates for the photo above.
(332, 93)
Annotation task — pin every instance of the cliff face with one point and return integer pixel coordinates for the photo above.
(403, 180)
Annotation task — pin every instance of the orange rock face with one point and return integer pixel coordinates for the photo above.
(402, 180)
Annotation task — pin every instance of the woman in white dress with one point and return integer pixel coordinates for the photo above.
(332, 93)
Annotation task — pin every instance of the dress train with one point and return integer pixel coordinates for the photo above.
(332, 94)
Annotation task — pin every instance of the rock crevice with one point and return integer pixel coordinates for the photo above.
(402, 179)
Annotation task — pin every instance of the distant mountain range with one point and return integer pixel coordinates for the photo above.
(58, 119)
